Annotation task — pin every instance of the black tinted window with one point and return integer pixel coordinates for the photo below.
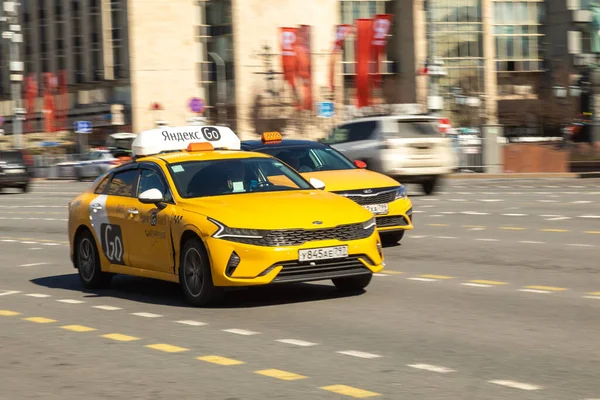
(122, 183)
(307, 159)
(102, 185)
(416, 129)
(11, 157)
(149, 179)
(352, 132)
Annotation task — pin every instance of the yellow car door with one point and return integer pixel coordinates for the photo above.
(149, 228)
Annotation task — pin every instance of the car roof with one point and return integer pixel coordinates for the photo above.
(183, 156)
(285, 143)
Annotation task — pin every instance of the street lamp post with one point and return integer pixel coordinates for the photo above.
(11, 10)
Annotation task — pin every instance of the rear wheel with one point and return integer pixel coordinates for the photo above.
(25, 188)
(391, 238)
(195, 275)
(87, 262)
(429, 186)
(352, 283)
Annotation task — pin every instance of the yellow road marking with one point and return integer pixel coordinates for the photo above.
(78, 328)
(350, 391)
(512, 228)
(591, 294)
(279, 374)
(550, 288)
(554, 230)
(391, 272)
(219, 360)
(167, 348)
(8, 313)
(593, 232)
(39, 320)
(437, 225)
(435, 276)
(120, 338)
(486, 282)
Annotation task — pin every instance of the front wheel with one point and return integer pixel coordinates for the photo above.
(195, 275)
(87, 262)
(352, 283)
(429, 186)
(391, 238)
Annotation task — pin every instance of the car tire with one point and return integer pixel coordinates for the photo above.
(87, 262)
(25, 188)
(392, 238)
(195, 276)
(352, 283)
(429, 186)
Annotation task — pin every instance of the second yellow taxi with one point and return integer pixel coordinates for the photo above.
(192, 208)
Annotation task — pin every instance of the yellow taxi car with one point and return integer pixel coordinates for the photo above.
(380, 194)
(191, 207)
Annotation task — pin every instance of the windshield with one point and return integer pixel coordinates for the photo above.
(307, 159)
(231, 176)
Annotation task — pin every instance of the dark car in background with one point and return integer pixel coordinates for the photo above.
(15, 169)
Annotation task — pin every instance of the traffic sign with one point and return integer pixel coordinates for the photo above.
(83, 127)
(325, 109)
(196, 104)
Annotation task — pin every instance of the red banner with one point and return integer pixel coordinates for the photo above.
(341, 33)
(364, 27)
(381, 29)
(49, 109)
(31, 93)
(304, 66)
(288, 39)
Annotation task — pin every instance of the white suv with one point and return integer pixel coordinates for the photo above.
(411, 149)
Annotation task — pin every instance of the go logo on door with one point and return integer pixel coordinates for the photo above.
(112, 243)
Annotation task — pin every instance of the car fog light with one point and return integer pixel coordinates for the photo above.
(232, 264)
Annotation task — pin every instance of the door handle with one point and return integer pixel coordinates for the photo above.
(96, 206)
(133, 211)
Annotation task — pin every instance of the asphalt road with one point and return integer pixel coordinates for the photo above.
(494, 295)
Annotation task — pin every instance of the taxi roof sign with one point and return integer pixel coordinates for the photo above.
(165, 139)
(271, 137)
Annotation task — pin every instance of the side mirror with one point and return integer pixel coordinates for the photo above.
(360, 164)
(317, 183)
(151, 196)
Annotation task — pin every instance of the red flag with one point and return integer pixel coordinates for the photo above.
(49, 108)
(341, 33)
(304, 65)
(31, 94)
(288, 39)
(381, 28)
(364, 27)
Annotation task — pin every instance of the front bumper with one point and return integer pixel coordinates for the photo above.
(14, 179)
(261, 265)
(399, 217)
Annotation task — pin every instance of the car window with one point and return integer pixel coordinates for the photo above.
(11, 157)
(416, 129)
(310, 159)
(352, 132)
(231, 176)
(150, 179)
(102, 185)
(123, 183)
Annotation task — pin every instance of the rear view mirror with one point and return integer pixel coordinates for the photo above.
(317, 183)
(151, 196)
(360, 164)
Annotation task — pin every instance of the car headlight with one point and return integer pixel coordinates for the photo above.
(401, 192)
(369, 224)
(225, 232)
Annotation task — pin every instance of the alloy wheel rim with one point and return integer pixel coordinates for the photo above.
(86, 259)
(192, 267)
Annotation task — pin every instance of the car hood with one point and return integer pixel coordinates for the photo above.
(351, 179)
(280, 210)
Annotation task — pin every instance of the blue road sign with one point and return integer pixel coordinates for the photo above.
(196, 104)
(83, 127)
(325, 109)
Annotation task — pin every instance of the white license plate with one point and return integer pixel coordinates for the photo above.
(15, 171)
(323, 253)
(377, 208)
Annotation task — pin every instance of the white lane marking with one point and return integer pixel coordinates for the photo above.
(32, 206)
(107, 308)
(592, 297)
(477, 229)
(378, 274)
(581, 202)
(241, 332)
(457, 199)
(71, 301)
(531, 242)
(423, 279)
(516, 385)
(557, 218)
(146, 315)
(476, 284)
(515, 215)
(359, 354)
(474, 213)
(34, 248)
(51, 244)
(430, 199)
(28, 242)
(534, 291)
(550, 215)
(417, 236)
(33, 264)
(581, 245)
(296, 342)
(445, 237)
(38, 295)
(448, 212)
(191, 323)
(488, 240)
(432, 368)
(8, 240)
(8, 292)
(418, 212)
(589, 216)
(548, 201)
(491, 200)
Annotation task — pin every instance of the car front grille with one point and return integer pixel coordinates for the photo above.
(295, 271)
(391, 220)
(378, 196)
(295, 237)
